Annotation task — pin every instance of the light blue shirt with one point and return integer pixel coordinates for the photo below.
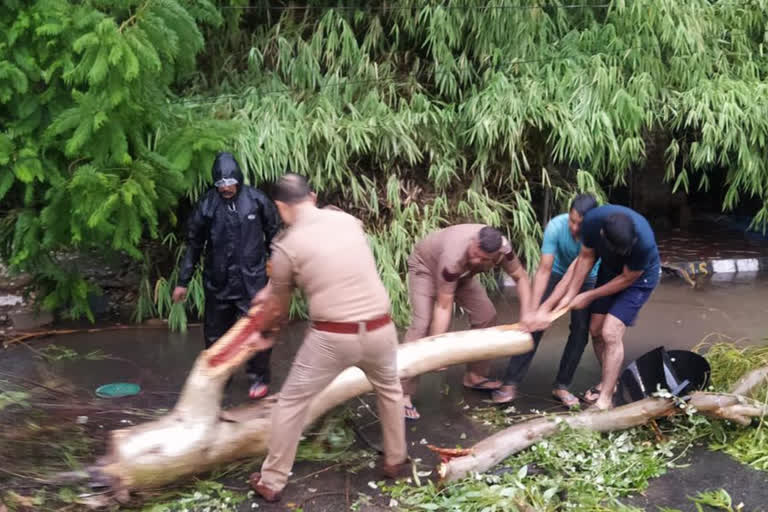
(558, 241)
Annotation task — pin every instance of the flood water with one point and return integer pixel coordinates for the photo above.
(677, 317)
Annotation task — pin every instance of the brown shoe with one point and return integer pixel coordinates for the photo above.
(395, 471)
(265, 492)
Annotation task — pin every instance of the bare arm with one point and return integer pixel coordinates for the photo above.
(583, 265)
(541, 279)
(615, 285)
(441, 314)
(515, 269)
(562, 286)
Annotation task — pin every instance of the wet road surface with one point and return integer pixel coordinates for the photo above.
(705, 240)
(677, 316)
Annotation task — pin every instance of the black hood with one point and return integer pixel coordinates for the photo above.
(225, 166)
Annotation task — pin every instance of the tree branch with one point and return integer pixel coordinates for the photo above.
(494, 449)
(750, 381)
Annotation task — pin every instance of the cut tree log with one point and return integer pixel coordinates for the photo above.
(734, 406)
(197, 435)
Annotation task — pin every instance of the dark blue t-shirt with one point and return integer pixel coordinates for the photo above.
(644, 254)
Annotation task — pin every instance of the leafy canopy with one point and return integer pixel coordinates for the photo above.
(411, 115)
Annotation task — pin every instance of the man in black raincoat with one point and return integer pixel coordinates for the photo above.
(235, 224)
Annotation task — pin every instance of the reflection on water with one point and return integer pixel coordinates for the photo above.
(677, 316)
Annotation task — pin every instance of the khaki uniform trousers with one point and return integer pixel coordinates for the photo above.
(470, 296)
(320, 359)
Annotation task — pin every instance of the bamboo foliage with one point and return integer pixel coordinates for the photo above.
(410, 114)
(466, 111)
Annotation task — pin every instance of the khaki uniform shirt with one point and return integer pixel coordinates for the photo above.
(443, 254)
(326, 253)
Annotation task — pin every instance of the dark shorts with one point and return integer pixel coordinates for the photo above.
(624, 305)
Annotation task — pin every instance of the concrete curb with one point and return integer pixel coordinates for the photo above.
(740, 269)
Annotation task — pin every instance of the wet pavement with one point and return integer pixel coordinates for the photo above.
(711, 238)
(677, 316)
(708, 471)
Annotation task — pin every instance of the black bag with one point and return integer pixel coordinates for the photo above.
(678, 371)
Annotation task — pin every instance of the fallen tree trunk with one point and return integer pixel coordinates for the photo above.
(494, 449)
(197, 436)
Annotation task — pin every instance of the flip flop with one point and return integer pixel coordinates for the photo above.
(594, 408)
(480, 386)
(570, 401)
(591, 391)
(411, 409)
(508, 397)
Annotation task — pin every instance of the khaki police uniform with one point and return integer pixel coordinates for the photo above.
(326, 254)
(439, 264)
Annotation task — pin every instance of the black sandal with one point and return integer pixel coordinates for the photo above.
(480, 386)
(591, 391)
(411, 409)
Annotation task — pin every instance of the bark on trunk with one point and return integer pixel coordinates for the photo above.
(494, 449)
(750, 381)
(197, 435)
